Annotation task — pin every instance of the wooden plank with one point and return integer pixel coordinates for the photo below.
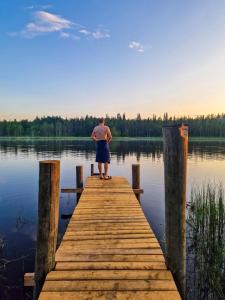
(141, 221)
(113, 219)
(107, 231)
(113, 211)
(110, 211)
(104, 237)
(115, 295)
(117, 200)
(108, 217)
(110, 274)
(107, 205)
(110, 242)
(110, 285)
(111, 251)
(95, 246)
(91, 227)
(108, 257)
(147, 265)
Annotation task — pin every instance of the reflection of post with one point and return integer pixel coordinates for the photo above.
(48, 215)
(138, 156)
(92, 169)
(175, 149)
(79, 179)
(136, 178)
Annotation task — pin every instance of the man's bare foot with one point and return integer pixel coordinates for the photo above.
(101, 176)
(107, 177)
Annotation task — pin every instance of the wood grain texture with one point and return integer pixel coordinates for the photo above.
(109, 250)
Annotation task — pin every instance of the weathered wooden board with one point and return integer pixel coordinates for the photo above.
(110, 285)
(112, 265)
(110, 274)
(108, 257)
(115, 295)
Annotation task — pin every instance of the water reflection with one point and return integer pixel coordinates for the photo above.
(19, 184)
(120, 149)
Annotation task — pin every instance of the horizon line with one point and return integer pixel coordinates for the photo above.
(19, 119)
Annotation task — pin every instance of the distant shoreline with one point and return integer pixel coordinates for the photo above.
(125, 139)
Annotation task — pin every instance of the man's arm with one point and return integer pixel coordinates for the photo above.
(93, 136)
(109, 135)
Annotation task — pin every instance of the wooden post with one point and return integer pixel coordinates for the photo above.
(79, 179)
(175, 150)
(48, 216)
(92, 169)
(136, 178)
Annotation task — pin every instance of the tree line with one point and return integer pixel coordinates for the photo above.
(54, 126)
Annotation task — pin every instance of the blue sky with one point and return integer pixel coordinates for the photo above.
(73, 58)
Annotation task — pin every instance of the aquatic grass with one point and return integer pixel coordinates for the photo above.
(206, 242)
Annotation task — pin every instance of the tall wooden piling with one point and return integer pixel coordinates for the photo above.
(48, 215)
(79, 179)
(175, 150)
(136, 178)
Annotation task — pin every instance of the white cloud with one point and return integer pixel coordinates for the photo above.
(136, 46)
(85, 31)
(45, 22)
(66, 35)
(100, 34)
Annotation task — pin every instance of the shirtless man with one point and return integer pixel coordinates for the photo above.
(102, 136)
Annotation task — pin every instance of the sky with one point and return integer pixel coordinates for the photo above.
(95, 57)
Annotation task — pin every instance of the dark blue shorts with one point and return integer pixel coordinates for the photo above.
(102, 152)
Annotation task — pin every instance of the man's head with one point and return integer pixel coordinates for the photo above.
(101, 120)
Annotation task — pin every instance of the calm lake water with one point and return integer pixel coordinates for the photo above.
(19, 191)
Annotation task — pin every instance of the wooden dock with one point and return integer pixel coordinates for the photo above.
(109, 250)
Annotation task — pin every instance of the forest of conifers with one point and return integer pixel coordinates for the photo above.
(202, 126)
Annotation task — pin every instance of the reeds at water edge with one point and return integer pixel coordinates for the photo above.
(206, 242)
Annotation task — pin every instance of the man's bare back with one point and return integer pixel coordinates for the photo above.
(102, 132)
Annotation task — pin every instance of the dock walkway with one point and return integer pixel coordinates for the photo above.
(109, 250)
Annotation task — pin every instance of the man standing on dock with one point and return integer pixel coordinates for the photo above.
(102, 136)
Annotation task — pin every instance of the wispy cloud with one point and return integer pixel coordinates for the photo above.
(36, 6)
(136, 46)
(44, 22)
(67, 35)
(84, 32)
(99, 33)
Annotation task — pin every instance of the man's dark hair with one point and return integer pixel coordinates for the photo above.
(101, 120)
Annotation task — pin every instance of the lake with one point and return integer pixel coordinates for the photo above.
(19, 190)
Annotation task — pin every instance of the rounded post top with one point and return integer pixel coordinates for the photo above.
(175, 130)
(53, 161)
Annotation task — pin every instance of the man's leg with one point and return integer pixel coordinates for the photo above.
(100, 168)
(106, 169)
